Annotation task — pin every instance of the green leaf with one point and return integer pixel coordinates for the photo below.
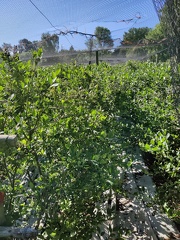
(53, 234)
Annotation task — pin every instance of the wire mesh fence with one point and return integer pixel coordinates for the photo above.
(140, 52)
(171, 19)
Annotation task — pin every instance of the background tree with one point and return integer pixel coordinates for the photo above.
(25, 45)
(103, 37)
(36, 44)
(157, 35)
(132, 37)
(71, 49)
(90, 44)
(50, 43)
(171, 23)
(7, 46)
(135, 35)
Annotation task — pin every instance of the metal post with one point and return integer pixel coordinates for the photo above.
(97, 58)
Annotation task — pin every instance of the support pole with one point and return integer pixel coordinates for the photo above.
(97, 58)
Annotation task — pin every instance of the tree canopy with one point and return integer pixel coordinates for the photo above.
(156, 33)
(134, 35)
(159, 51)
(90, 43)
(25, 45)
(7, 46)
(171, 24)
(103, 37)
(50, 43)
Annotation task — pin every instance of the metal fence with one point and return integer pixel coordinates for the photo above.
(157, 51)
(171, 19)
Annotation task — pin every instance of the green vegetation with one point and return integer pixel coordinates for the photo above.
(135, 35)
(145, 43)
(70, 141)
(103, 37)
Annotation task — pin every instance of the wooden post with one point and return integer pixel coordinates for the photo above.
(97, 58)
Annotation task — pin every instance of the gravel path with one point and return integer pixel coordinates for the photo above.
(137, 216)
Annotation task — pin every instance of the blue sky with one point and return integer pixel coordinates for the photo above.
(21, 19)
